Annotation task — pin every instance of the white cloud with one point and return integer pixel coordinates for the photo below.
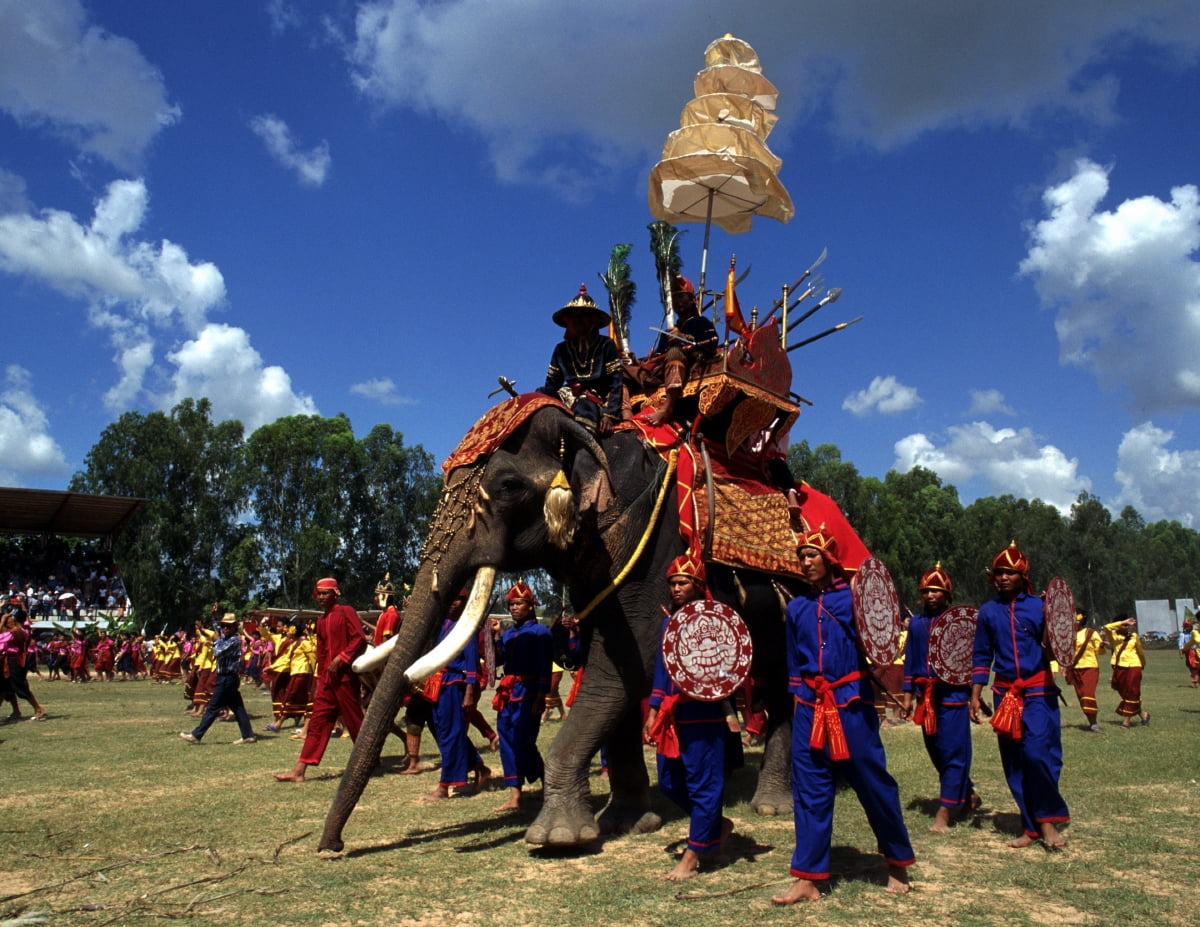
(283, 15)
(1159, 483)
(102, 263)
(91, 87)
(383, 390)
(26, 447)
(138, 293)
(989, 401)
(1009, 460)
(560, 91)
(221, 364)
(885, 395)
(1124, 285)
(311, 167)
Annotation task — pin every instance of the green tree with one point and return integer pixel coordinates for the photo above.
(301, 474)
(392, 502)
(187, 467)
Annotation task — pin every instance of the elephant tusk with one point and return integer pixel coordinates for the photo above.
(374, 657)
(466, 626)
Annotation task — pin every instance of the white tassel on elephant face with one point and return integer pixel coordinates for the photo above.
(560, 511)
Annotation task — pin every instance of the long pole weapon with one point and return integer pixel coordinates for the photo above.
(828, 331)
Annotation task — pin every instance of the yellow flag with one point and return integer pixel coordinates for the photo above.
(733, 312)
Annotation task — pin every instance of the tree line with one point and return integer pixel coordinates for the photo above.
(254, 521)
(911, 521)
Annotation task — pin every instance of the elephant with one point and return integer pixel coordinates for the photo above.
(590, 512)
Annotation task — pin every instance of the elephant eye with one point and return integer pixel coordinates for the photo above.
(511, 485)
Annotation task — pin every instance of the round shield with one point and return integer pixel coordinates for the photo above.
(877, 612)
(706, 649)
(952, 644)
(1060, 621)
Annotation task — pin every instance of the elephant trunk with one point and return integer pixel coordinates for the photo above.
(427, 605)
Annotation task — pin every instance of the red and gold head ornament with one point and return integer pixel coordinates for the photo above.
(937, 578)
(823, 540)
(328, 583)
(1012, 559)
(521, 591)
(689, 566)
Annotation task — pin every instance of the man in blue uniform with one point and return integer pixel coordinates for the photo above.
(525, 652)
(691, 737)
(455, 695)
(835, 729)
(941, 708)
(1008, 641)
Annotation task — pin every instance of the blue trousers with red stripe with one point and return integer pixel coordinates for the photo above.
(814, 785)
(695, 780)
(950, 750)
(449, 725)
(1033, 764)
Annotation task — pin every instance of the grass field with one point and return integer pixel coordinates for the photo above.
(109, 818)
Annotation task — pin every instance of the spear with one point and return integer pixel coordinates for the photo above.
(804, 276)
(828, 331)
(830, 297)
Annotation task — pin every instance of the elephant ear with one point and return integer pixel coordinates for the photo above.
(587, 468)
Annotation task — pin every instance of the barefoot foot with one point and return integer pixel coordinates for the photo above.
(800, 890)
(897, 883)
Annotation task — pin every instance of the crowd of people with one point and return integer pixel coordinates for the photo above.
(57, 580)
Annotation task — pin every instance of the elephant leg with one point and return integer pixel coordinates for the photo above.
(602, 714)
(566, 818)
(774, 792)
(628, 810)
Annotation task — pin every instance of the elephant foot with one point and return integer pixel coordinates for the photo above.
(331, 845)
(627, 819)
(771, 802)
(560, 825)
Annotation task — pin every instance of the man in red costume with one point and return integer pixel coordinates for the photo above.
(340, 640)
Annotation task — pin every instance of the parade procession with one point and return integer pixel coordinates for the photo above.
(633, 663)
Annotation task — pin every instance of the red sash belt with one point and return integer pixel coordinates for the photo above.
(1007, 719)
(503, 692)
(432, 687)
(925, 715)
(827, 719)
(663, 730)
(504, 689)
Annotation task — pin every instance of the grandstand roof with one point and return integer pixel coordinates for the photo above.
(71, 514)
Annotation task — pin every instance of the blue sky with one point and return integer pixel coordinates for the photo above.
(375, 207)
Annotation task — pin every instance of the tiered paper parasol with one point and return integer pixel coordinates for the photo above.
(716, 167)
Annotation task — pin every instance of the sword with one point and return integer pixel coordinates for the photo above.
(678, 337)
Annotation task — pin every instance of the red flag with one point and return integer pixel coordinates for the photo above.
(733, 312)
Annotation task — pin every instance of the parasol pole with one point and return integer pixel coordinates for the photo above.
(704, 249)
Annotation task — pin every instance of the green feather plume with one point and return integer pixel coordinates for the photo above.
(621, 291)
